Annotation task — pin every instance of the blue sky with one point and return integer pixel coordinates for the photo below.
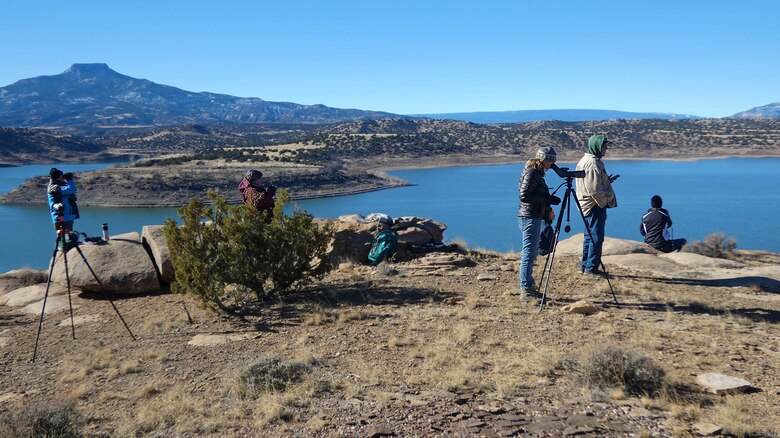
(708, 58)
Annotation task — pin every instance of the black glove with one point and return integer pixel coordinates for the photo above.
(553, 200)
(68, 176)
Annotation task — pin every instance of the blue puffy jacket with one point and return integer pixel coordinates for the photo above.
(66, 195)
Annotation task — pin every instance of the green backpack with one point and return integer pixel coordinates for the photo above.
(384, 246)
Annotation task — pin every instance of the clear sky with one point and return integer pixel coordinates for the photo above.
(709, 58)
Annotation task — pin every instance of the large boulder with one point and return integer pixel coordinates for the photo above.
(155, 242)
(30, 294)
(353, 236)
(17, 278)
(122, 265)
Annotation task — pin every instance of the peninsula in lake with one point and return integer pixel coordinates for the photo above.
(182, 144)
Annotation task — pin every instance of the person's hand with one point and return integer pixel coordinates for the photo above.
(554, 200)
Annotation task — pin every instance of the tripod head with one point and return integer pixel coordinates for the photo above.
(564, 172)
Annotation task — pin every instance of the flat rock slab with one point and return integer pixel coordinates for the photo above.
(581, 307)
(707, 429)
(699, 261)
(53, 305)
(30, 294)
(722, 384)
(210, 340)
(573, 246)
(487, 277)
(643, 262)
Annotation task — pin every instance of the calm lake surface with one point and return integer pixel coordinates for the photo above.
(737, 196)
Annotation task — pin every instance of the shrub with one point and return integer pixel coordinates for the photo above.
(613, 367)
(714, 245)
(223, 253)
(58, 420)
(272, 374)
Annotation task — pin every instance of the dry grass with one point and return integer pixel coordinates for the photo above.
(175, 409)
(738, 419)
(352, 314)
(83, 364)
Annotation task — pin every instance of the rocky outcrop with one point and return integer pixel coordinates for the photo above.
(122, 265)
(30, 294)
(154, 241)
(17, 278)
(353, 236)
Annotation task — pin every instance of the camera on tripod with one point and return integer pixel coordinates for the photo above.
(564, 172)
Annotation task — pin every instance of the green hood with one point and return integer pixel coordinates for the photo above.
(595, 144)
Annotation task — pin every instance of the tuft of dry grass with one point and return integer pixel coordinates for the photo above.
(352, 315)
(175, 409)
(79, 366)
(738, 420)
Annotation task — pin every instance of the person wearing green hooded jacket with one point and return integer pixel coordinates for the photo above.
(595, 194)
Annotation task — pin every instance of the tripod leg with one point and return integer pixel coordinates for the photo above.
(547, 271)
(70, 303)
(83, 257)
(46, 296)
(601, 262)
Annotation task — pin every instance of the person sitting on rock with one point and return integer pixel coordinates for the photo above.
(257, 196)
(656, 224)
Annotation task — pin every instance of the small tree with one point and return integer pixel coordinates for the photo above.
(225, 254)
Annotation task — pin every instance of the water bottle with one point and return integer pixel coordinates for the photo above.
(105, 231)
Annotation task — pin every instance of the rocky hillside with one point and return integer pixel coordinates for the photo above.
(435, 346)
(771, 111)
(21, 146)
(95, 95)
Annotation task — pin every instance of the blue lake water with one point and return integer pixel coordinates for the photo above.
(737, 196)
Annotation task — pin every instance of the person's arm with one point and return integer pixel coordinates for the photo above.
(642, 228)
(596, 184)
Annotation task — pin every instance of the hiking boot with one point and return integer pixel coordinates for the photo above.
(595, 272)
(527, 294)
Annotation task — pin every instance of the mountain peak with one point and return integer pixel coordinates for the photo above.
(90, 69)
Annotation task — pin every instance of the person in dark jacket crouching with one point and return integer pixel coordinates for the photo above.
(535, 207)
(655, 227)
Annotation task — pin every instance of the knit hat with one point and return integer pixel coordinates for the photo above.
(596, 144)
(547, 154)
(252, 175)
(55, 173)
(656, 201)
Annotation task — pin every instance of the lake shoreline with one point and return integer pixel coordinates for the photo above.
(380, 170)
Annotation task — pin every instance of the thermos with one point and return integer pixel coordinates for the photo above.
(105, 231)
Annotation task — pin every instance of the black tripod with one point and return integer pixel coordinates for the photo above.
(63, 238)
(566, 209)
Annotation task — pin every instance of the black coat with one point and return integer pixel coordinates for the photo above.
(534, 194)
(655, 225)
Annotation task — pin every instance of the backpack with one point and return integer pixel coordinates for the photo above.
(546, 239)
(385, 244)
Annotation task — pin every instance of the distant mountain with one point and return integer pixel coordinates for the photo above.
(771, 111)
(564, 115)
(95, 95)
(22, 145)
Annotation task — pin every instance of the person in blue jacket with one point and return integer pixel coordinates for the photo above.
(62, 199)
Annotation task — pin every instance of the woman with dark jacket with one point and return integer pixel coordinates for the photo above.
(257, 196)
(535, 202)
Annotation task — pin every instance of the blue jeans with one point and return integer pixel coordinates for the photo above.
(591, 248)
(532, 231)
